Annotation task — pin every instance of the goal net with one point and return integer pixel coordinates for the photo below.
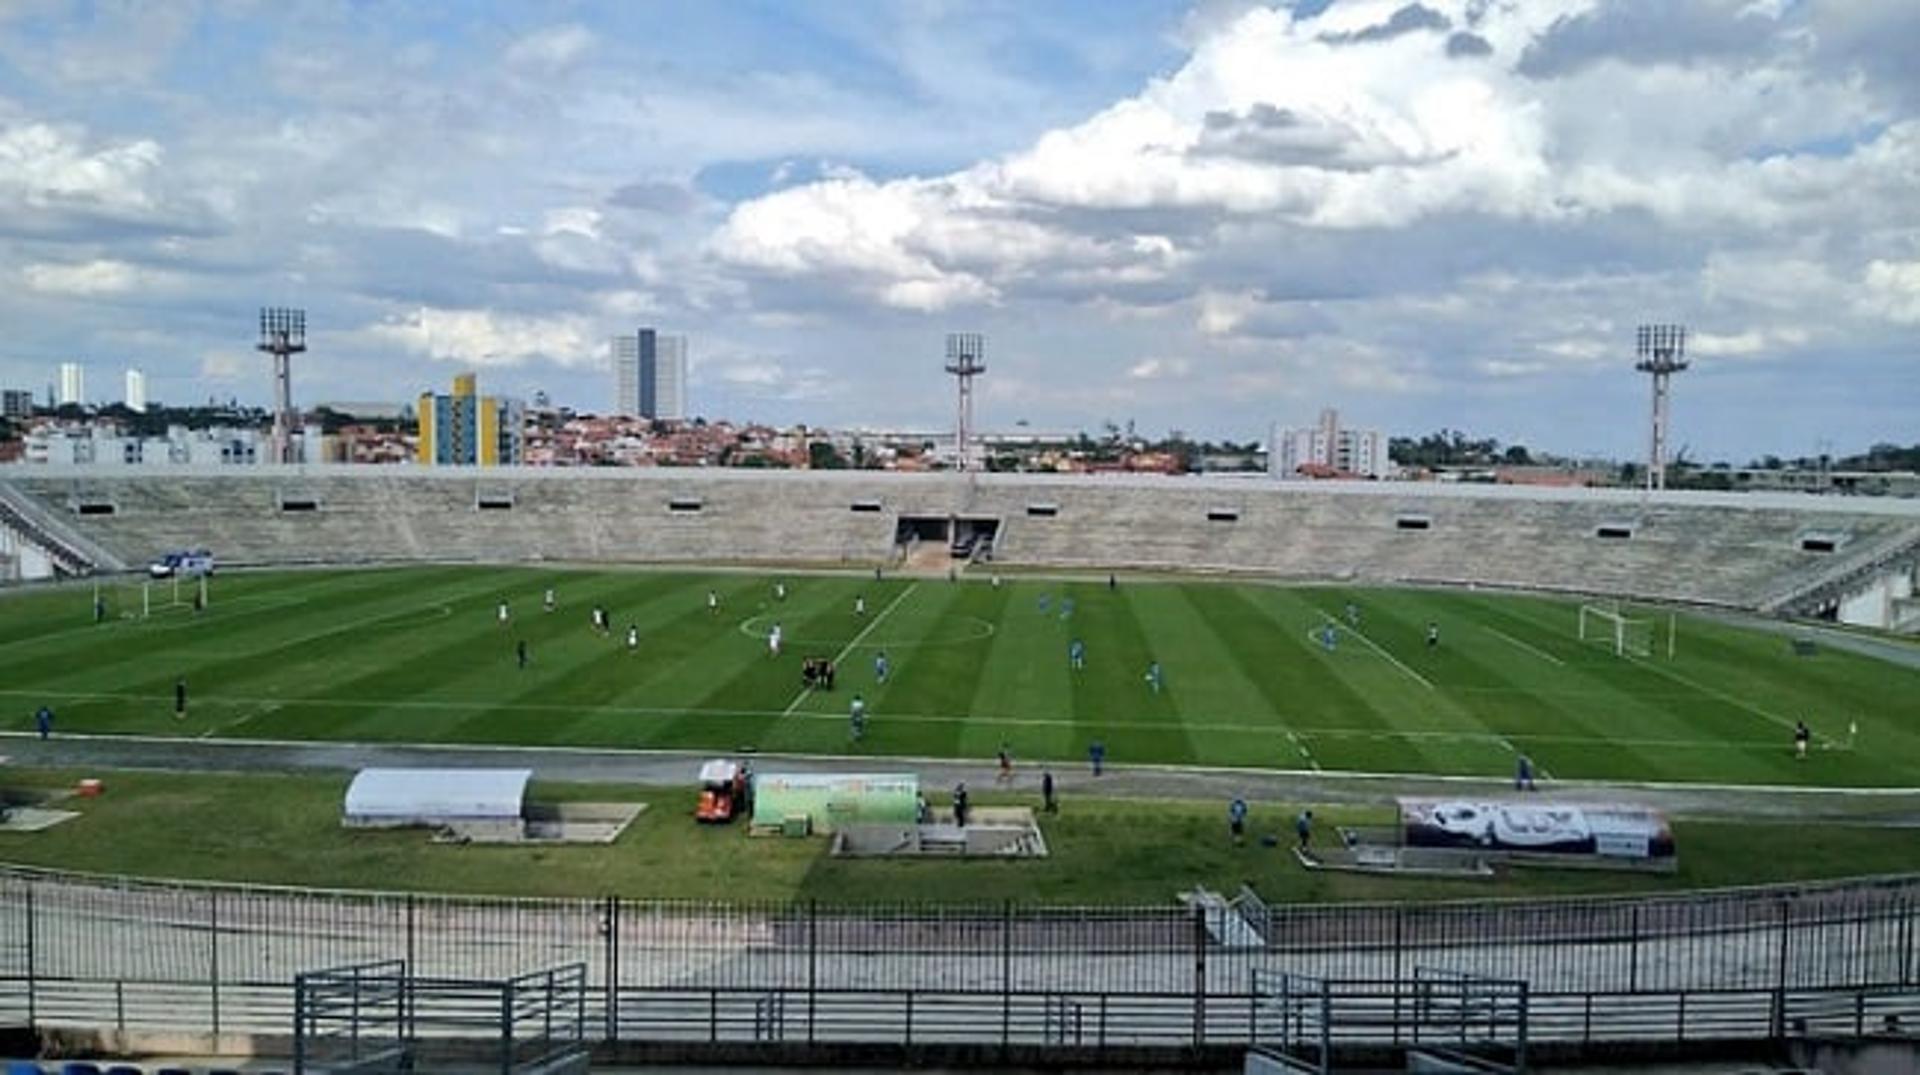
(1625, 635)
(139, 599)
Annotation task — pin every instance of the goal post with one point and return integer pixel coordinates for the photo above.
(1626, 636)
(143, 598)
(125, 599)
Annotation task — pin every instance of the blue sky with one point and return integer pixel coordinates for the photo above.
(1205, 216)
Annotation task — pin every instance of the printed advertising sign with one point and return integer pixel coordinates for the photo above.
(835, 799)
(1613, 830)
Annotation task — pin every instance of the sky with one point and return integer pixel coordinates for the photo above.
(1199, 216)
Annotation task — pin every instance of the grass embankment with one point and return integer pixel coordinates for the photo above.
(284, 829)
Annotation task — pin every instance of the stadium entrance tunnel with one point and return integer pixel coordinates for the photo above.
(965, 537)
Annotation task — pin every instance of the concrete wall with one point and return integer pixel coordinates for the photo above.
(1727, 549)
(21, 560)
(1878, 602)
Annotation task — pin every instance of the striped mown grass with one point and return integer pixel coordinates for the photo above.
(417, 655)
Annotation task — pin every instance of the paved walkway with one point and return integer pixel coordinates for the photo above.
(677, 769)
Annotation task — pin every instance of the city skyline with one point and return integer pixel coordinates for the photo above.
(1207, 216)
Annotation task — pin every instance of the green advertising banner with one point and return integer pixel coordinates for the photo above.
(834, 799)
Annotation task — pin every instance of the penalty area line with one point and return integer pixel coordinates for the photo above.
(1827, 741)
(1535, 650)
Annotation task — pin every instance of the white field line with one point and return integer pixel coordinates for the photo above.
(849, 647)
(1397, 663)
(1301, 746)
(262, 706)
(1715, 692)
(1539, 770)
(1535, 650)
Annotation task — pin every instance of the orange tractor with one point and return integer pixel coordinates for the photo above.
(725, 788)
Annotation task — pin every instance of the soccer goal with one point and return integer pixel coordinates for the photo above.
(1627, 636)
(139, 599)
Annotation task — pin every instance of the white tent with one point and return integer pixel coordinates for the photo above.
(391, 797)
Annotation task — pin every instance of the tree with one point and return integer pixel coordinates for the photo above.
(1516, 455)
(821, 455)
(1448, 447)
(1183, 450)
(1884, 457)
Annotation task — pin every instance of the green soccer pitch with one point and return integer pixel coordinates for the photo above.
(419, 655)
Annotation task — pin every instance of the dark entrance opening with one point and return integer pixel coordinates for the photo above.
(965, 537)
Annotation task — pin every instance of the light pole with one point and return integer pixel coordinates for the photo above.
(283, 334)
(1662, 351)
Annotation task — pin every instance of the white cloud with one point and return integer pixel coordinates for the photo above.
(1788, 280)
(486, 338)
(1156, 369)
(1582, 351)
(1893, 290)
(764, 378)
(1302, 207)
(1330, 124)
(47, 166)
(877, 234)
(1510, 367)
(752, 373)
(551, 48)
(1747, 344)
(227, 367)
(628, 304)
(97, 277)
(120, 43)
(1221, 314)
(1264, 119)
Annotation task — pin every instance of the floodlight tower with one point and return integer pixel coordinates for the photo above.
(966, 359)
(283, 333)
(1662, 350)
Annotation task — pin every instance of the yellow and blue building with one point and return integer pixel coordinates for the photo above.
(467, 429)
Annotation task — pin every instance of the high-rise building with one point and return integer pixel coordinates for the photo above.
(650, 375)
(469, 429)
(1329, 448)
(73, 383)
(669, 380)
(626, 375)
(136, 392)
(16, 403)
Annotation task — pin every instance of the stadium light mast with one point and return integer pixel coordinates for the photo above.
(966, 359)
(283, 334)
(1662, 351)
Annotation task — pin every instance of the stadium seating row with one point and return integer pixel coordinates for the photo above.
(87, 1067)
(1737, 550)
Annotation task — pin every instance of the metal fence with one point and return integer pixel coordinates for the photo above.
(115, 953)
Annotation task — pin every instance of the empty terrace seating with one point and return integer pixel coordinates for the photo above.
(1724, 549)
(1732, 551)
(108, 1067)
